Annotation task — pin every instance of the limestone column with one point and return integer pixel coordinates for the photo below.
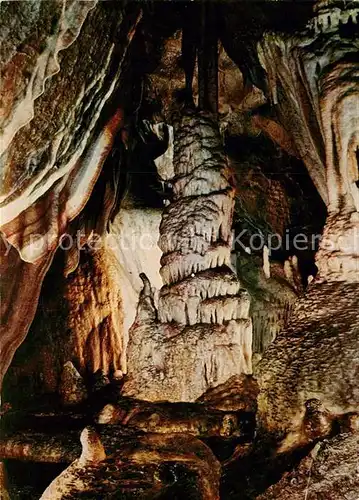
(201, 334)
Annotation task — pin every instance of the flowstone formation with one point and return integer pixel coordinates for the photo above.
(314, 86)
(56, 132)
(202, 327)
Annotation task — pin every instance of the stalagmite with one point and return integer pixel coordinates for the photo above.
(201, 334)
(266, 263)
(74, 477)
(72, 386)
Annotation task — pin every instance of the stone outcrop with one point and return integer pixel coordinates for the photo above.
(315, 357)
(330, 471)
(145, 466)
(202, 326)
(74, 477)
(239, 393)
(272, 296)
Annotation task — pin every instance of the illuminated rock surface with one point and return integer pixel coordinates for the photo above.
(152, 157)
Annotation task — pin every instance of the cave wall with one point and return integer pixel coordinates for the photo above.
(79, 319)
(57, 132)
(81, 131)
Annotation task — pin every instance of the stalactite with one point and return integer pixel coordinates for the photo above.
(95, 313)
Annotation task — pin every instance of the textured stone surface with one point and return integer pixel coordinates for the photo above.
(315, 357)
(58, 129)
(142, 468)
(72, 386)
(204, 355)
(168, 78)
(313, 82)
(338, 255)
(60, 144)
(237, 393)
(92, 454)
(272, 296)
(196, 419)
(20, 290)
(95, 313)
(330, 471)
(62, 66)
(79, 318)
(203, 327)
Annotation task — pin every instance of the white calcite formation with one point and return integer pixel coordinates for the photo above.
(133, 238)
(330, 15)
(313, 83)
(201, 333)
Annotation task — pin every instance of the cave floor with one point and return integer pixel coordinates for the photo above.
(40, 442)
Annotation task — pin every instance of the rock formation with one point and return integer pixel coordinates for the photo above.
(328, 472)
(315, 357)
(72, 386)
(315, 75)
(52, 149)
(92, 454)
(179, 249)
(202, 326)
(175, 455)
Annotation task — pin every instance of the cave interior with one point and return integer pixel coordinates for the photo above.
(179, 249)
